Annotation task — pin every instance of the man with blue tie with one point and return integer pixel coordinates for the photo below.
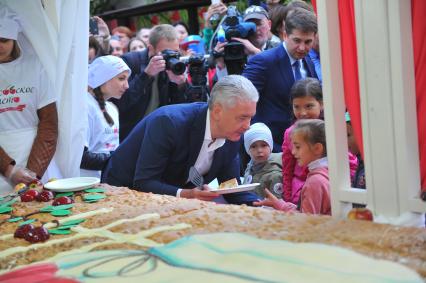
(273, 72)
(160, 151)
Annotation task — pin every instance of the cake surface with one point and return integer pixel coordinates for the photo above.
(130, 220)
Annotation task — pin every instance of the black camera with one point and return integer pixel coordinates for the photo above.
(172, 62)
(233, 26)
(197, 69)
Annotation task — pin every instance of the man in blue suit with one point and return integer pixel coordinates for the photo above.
(273, 72)
(159, 152)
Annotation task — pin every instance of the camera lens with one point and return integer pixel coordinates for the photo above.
(177, 67)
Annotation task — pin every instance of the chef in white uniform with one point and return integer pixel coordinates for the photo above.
(28, 114)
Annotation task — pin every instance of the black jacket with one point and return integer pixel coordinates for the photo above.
(133, 104)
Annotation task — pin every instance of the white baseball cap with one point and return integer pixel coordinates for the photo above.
(104, 68)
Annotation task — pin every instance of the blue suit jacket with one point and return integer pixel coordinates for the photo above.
(271, 73)
(157, 154)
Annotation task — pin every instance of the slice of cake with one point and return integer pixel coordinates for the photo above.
(229, 184)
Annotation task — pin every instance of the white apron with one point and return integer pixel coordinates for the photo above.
(17, 145)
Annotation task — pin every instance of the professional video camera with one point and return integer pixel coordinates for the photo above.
(172, 62)
(233, 26)
(197, 68)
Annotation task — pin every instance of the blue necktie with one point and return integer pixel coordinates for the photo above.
(297, 74)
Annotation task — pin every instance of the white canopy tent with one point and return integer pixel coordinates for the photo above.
(58, 32)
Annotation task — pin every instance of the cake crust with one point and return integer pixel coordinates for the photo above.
(405, 245)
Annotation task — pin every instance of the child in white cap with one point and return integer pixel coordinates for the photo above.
(28, 114)
(108, 77)
(264, 167)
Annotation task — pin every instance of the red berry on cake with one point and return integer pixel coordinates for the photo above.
(45, 196)
(23, 230)
(62, 201)
(38, 234)
(29, 195)
(360, 214)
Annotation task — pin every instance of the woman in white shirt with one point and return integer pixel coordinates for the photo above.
(28, 115)
(108, 77)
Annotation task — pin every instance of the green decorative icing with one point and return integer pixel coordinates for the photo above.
(91, 201)
(90, 197)
(95, 190)
(51, 208)
(5, 209)
(59, 232)
(66, 194)
(27, 222)
(60, 212)
(15, 219)
(9, 203)
(73, 222)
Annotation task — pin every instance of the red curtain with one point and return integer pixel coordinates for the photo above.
(418, 11)
(350, 66)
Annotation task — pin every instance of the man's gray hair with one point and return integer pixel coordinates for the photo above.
(229, 89)
(160, 32)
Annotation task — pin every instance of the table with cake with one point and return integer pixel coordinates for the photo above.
(109, 234)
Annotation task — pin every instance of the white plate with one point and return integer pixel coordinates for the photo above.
(240, 188)
(72, 184)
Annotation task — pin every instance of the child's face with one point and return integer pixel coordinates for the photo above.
(303, 151)
(260, 151)
(306, 108)
(352, 145)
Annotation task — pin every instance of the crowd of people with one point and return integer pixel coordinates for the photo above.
(261, 122)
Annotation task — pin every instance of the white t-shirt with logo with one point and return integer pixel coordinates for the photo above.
(24, 88)
(100, 136)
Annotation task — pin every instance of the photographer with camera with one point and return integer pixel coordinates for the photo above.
(253, 40)
(157, 78)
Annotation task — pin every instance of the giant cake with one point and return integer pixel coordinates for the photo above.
(134, 233)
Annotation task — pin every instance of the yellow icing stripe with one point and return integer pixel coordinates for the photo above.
(80, 216)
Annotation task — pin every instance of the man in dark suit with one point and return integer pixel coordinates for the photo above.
(158, 154)
(273, 72)
(150, 85)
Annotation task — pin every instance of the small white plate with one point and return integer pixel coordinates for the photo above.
(72, 184)
(240, 188)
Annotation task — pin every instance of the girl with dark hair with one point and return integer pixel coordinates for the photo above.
(108, 77)
(309, 149)
(306, 98)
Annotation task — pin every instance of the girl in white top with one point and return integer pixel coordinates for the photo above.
(108, 77)
(28, 115)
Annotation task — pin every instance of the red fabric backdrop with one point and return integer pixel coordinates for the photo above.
(418, 11)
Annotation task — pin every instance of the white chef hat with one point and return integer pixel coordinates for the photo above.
(257, 132)
(9, 23)
(104, 68)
